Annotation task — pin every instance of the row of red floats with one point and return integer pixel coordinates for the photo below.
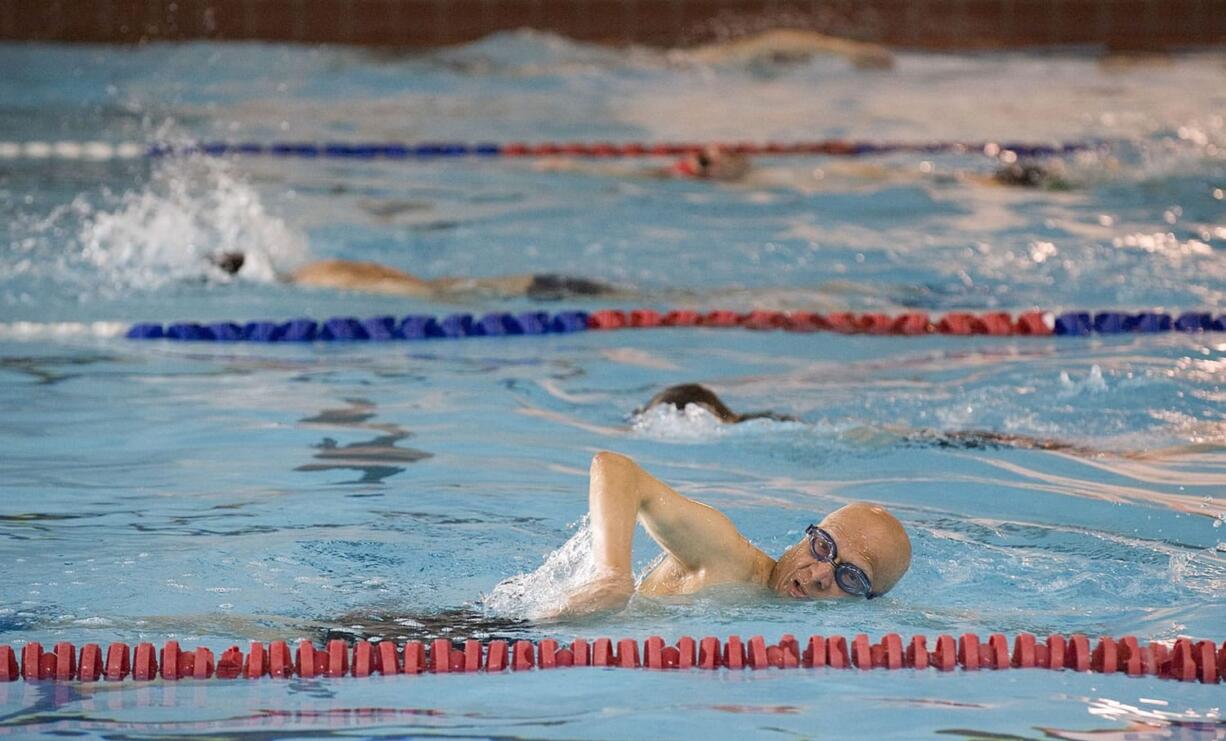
(1184, 660)
(956, 323)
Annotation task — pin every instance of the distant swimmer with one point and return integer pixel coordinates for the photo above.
(783, 46)
(713, 163)
(725, 165)
(371, 277)
(857, 551)
(1031, 174)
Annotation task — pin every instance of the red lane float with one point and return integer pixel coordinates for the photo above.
(996, 323)
(1184, 660)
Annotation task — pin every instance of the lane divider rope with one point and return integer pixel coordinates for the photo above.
(421, 327)
(1185, 660)
(103, 151)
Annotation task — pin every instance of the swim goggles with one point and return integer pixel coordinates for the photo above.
(850, 577)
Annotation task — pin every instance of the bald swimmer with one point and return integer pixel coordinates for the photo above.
(858, 551)
(371, 277)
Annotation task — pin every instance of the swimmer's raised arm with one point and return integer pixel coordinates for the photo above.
(698, 537)
(621, 492)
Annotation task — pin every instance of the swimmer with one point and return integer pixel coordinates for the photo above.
(713, 163)
(710, 163)
(370, 277)
(859, 551)
(682, 395)
(1030, 174)
(722, 165)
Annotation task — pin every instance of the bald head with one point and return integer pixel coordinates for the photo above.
(873, 539)
(865, 535)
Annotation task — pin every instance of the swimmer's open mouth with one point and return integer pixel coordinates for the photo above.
(795, 590)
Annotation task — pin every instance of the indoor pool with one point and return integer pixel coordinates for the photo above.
(218, 493)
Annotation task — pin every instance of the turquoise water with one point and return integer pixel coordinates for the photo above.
(221, 493)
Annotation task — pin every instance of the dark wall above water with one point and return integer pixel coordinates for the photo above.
(931, 24)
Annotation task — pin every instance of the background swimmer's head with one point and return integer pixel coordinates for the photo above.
(866, 535)
(228, 262)
(692, 393)
(713, 163)
(1030, 175)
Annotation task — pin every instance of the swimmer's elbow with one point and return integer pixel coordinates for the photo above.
(614, 478)
(607, 462)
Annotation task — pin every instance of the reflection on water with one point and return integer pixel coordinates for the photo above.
(456, 624)
(376, 459)
(45, 369)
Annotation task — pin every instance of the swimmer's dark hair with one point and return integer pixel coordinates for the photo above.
(693, 393)
(228, 262)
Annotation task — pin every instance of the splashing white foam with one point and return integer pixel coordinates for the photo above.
(667, 422)
(190, 209)
(44, 330)
(696, 423)
(1093, 383)
(543, 592)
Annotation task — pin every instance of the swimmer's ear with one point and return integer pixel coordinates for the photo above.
(228, 262)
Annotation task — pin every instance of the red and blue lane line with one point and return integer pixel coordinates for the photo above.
(436, 150)
(503, 324)
(1184, 660)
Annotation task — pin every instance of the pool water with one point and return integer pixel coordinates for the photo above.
(217, 493)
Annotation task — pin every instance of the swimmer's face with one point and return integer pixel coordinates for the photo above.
(866, 535)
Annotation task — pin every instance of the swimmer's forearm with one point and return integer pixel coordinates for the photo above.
(614, 499)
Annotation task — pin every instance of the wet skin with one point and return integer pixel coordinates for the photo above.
(703, 548)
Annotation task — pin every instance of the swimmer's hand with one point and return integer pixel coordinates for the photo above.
(607, 593)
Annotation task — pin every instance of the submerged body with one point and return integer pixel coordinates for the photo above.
(682, 395)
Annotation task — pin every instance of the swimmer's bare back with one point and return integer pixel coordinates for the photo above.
(368, 277)
(787, 45)
(372, 277)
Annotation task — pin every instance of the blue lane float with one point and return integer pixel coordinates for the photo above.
(373, 329)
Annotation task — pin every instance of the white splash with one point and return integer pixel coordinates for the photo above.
(45, 330)
(543, 592)
(1093, 383)
(667, 422)
(190, 209)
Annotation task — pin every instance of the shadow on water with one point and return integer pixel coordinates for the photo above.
(376, 459)
(459, 623)
(41, 368)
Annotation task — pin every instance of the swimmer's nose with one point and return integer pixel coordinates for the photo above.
(818, 580)
(822, 575)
